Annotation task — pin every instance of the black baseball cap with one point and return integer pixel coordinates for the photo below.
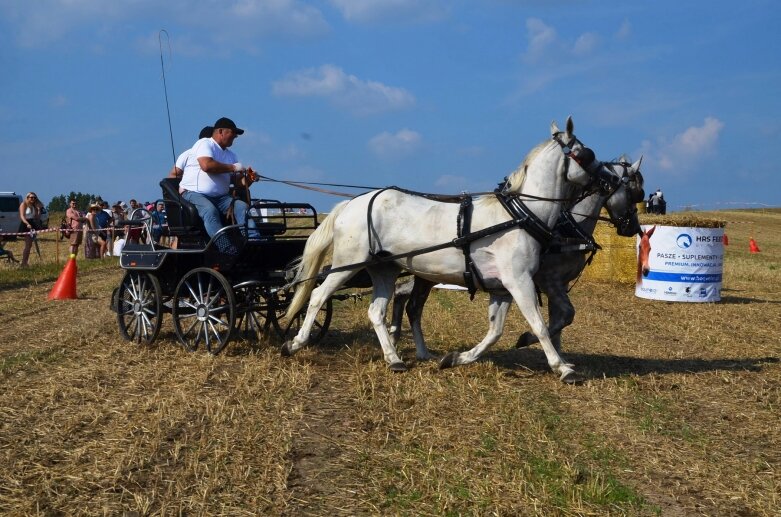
(226, 123)
(206, 132)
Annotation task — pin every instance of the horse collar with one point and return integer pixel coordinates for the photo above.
(526, 219)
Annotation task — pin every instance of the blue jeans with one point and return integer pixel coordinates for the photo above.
(210, 208)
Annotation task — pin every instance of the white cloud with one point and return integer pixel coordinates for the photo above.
(388, 145)
(685, 149)
(586, 44)
(369, 11)
(346, 91)
(231, 23)
(544, 44)
(541, 38)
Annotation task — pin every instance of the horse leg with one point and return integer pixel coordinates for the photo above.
(400, 297)
(561, 314)
(420, 291)
(383, 280)
(497, 314)
(525, 297)
(319, 296)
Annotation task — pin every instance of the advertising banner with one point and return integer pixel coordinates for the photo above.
(680, 264)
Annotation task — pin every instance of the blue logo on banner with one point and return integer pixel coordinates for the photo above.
(684, 277)
(684, 240)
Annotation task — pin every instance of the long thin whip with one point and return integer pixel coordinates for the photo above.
(165, 87)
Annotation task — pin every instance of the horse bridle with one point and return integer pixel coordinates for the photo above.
(608, 183)
(585, 161)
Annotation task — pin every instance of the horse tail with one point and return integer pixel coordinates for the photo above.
(315, 250)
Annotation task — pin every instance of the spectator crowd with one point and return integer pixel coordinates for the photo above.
(102, 229)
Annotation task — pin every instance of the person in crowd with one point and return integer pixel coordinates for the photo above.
(29, 222)
(91, 238)
(117, 215)
(158, 221)
(75, 220)
(103, 225)
(109, 225)
(181, 161)
(206, 179)
(658, 205)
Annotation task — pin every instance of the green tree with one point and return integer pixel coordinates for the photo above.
(60, 203)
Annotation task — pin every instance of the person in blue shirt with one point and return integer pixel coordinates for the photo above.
(158, 221)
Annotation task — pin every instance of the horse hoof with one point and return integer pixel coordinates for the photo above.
(448, 361)
(526, 339)
(286, 349)
(572, 377)
(398, 367)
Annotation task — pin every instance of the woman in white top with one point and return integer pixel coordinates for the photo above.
(29, 221)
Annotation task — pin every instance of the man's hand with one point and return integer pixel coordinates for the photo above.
(238, 167)
(252, 176)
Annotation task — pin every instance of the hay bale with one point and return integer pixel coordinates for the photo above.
(685, 219)
(616, 261)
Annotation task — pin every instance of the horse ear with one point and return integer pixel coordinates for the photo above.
(570, 125)
(554, 128)
(636, 165)
(651, 231)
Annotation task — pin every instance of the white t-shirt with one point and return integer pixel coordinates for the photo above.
(186, 156)
(196, 180)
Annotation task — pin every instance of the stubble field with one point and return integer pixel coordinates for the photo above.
(679, 414)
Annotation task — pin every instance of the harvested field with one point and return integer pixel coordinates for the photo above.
(679, 415)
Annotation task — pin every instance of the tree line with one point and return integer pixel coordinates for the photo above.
(60, 203)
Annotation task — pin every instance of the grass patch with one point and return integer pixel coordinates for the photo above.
(28, 359)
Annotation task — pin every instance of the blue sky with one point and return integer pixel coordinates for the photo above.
(432, 95)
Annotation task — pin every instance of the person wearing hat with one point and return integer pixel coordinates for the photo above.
(181, 161)
(206, 178)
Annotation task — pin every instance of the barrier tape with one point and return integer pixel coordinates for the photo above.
(62, 230)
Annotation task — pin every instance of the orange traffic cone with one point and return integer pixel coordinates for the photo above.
(726, 240)
(65, 286)
(752, 245)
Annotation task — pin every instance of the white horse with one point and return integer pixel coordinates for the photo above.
(621, 187)
(385, 231)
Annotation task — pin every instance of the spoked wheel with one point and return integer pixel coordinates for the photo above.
(320, 327)
(256, 314)
(204, 309)
(138, 302)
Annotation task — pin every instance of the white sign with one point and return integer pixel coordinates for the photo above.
(682, 264)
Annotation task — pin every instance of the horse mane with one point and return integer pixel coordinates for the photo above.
(516, 178)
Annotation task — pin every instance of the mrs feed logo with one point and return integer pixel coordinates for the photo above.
(684, 240)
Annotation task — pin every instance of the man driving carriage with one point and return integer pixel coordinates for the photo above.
(206, 180)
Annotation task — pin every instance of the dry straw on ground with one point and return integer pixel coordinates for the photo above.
(679, 415)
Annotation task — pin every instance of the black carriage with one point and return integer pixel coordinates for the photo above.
(214, 289)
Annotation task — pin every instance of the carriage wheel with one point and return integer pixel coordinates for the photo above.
(320, 327)
(255, 313)
(139, 308)
(204, 310)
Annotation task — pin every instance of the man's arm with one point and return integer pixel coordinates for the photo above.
(175, 172)
(211, 166)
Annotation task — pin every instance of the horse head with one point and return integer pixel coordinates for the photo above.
(624, 189)
(644, 252)
(580, 163)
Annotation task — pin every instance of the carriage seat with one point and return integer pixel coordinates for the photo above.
(183, 218)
